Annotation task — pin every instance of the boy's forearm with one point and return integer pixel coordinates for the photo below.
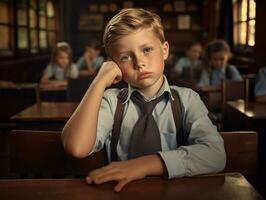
(79, 133)
(152, 165)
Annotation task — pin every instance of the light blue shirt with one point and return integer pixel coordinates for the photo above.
(205, 152)
(260, 87)
(57, 73)
(184, 62)
(217, 75)
(96, 62)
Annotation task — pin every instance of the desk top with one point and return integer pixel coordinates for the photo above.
(209, 89)
(229, 186)
(251, 110)
(47, 111)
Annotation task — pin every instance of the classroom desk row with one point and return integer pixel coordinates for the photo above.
(219, 186)
(45, 116)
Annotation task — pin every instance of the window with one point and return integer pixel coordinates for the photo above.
(5, 28)
(244, 23)
(28, 27)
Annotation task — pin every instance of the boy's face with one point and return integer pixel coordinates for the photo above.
(194, 52)
(140, 56)
(62, 59)
(219, 59)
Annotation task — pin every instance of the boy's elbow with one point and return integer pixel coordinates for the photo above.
(75, 151)
(71, 148)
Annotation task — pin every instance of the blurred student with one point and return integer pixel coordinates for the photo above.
(215, 64)
(90, 62)
(60, 67)
(260, 87)
(192, 58)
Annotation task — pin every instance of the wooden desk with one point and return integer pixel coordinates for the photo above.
(251, 110)
(13, 100)
(229, 186)
(48, 93)
(45, 116)
(243, 116)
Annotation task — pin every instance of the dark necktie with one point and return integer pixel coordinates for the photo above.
(145, 138)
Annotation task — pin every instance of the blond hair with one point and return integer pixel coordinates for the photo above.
(128, 21)
(62, 47)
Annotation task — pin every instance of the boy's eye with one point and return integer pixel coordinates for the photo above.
(147, 50)
(125, 58)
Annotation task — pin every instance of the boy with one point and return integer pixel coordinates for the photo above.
(134, 41)
(90, 62)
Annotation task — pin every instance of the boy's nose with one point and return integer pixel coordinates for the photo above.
(139, 62)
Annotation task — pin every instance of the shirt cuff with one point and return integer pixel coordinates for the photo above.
(174, 163)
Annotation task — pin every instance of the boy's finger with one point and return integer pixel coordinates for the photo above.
(120, 185)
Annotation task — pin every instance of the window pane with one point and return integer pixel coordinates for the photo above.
(22, 3)
(244, 8)
(42, 8)
(50, 9)
(22, 38)
(34, 41)
(4, 35)
(4, 13)
(22, 17)
(243, 33)
(236, 34)
(51, 24)
(251, 38)
(252, 9)
(51, 39)
(33, 4)
(43, 39)
(33, 18)
(42, 21)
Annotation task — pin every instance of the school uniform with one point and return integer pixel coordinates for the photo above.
(205, 152)
(260, 87)
(230, 72)
(184, 62)
(55, 72)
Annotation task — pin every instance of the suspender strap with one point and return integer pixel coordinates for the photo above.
(117, 122)
(177, 113)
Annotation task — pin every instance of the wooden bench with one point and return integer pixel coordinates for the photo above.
(42, 152)
(241, 150)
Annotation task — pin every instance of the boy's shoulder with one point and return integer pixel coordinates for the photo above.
(183, 92)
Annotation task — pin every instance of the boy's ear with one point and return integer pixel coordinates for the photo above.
(165, 50)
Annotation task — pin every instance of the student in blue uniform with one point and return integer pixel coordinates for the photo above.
(192, 58)
(60, 67)
(215, 64)
(90, 62)
(150, 141)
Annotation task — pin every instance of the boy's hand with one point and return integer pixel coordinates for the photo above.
(123, 172)
(109, 73)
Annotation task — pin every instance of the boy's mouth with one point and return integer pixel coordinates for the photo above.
(144, 75)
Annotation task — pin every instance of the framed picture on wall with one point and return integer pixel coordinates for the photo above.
(92, 22)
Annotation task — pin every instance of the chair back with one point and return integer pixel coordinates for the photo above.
(76, 88)
(241, 151)
(42, 152)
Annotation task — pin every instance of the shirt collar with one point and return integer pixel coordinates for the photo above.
(165, 88)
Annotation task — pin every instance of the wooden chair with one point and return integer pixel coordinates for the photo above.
(42, 152)
(233, 90)
(241, 150)
(76, 88)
